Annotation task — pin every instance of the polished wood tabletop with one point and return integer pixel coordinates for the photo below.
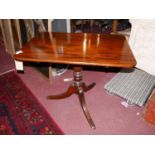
(79, 48)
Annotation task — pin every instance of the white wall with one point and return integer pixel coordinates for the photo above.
(142, 43)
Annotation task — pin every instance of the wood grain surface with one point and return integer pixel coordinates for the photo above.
(79, 48)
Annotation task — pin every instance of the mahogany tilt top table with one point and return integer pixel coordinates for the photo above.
(78, 49)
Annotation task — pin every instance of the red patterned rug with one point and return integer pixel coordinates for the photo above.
(149, 111)
(20, 112)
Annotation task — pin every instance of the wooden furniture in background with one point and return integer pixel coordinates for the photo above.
(11, 35)
(115, 26)
(79, 49)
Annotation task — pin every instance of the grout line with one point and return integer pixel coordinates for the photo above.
(7, 72)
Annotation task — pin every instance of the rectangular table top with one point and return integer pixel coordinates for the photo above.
(78, 48)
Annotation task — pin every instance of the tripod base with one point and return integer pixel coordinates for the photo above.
(78, 87)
